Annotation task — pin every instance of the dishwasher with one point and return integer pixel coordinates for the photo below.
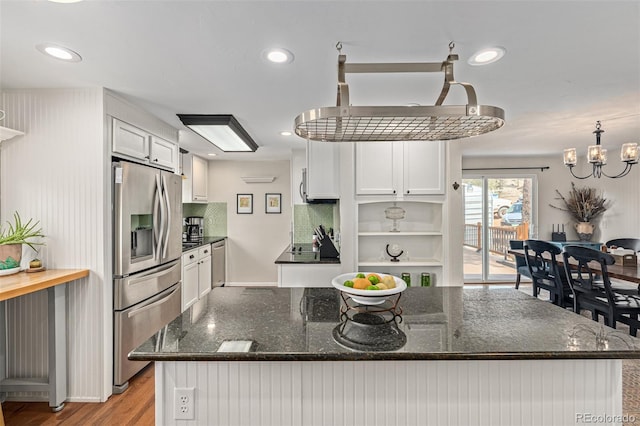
(218, 266)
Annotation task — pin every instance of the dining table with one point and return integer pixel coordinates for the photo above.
(629, 273)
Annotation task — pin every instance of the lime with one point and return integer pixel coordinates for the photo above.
(348, 283)
(360, 276)
(373, 287)
(373, 279)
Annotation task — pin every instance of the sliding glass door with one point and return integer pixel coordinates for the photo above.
(496, 209)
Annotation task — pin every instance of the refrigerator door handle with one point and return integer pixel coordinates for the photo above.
(166, 216)
(152, 305)
(158, 220)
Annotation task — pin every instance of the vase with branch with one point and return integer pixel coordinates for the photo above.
(584, 205)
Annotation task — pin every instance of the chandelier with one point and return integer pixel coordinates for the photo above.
(597, 156)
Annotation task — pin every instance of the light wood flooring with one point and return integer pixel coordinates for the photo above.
(134, 407)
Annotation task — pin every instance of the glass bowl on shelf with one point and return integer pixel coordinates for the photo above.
(394, 213)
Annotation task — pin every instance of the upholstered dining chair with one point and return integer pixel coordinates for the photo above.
(545, 272)
(521, 265)
(592, 288)
(628, 243)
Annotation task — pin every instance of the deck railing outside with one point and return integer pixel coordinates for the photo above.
(499, 236)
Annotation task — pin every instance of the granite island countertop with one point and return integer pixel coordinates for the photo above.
(436, 323)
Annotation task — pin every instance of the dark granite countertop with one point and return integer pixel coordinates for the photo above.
(304, 253)
(436, 323)
(186, 246)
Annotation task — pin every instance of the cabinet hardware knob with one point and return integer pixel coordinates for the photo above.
(156, 160)
(407, 191)
(147, 157)
(191, 257)
(394, 191)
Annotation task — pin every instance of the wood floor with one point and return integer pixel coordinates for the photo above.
(134, 407)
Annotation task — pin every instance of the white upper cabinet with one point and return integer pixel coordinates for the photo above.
(376, 168)
(132, 142)
(323, 170)
(163, 152)
(194, 187)
(423, 168)
(400, 168)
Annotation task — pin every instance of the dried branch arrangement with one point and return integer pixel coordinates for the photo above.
(583, 204)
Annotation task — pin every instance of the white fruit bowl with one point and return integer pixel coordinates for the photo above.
(367, 297)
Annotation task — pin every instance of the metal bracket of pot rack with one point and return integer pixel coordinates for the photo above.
(347, 123)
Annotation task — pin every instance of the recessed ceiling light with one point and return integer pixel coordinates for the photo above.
(65, 1)
(487, 56)
(59, 52)
(285, 133)
(212, 154)
(278, 55)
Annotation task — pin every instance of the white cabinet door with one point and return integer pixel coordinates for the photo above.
(194, 187)
(323, 170)
(204, 270)
(200, 172)
(375, 169)
(130, 140)
(423, 168)
(189, 284)
(164, 153)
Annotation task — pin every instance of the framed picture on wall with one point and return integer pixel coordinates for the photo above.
(272, 203)
(244, 204)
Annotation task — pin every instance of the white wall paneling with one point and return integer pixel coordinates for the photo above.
(57, 173)
(387, 393)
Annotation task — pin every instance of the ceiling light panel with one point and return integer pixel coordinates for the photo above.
(222, 130)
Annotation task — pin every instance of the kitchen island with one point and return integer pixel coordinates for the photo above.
(305, 356)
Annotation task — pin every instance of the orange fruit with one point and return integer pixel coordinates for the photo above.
(361, 283)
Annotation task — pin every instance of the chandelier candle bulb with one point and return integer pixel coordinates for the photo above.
(570, 157)
(629, 153)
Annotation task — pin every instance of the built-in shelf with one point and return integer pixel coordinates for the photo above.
(6, 133)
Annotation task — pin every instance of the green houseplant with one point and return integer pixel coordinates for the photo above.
(13, 236)
(584, 205)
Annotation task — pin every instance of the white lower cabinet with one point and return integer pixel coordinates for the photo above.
(307, 275)
(196, 275)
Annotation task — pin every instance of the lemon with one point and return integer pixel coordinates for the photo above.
(348, 283)
(382, 286)
(389, 281)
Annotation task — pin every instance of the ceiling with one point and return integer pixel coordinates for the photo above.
(568, 63)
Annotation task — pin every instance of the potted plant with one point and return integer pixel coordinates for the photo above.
(584, 205)
(12, 237)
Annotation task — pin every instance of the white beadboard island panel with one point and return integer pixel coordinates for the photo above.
(58, 173)
(392, 393)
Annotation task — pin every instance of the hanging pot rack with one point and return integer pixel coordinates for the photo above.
(347, 123)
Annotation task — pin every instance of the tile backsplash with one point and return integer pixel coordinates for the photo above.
(215, 217)
(307, 216)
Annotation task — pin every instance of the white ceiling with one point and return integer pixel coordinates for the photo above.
(568, 63)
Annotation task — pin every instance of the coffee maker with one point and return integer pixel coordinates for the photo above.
(194, 228)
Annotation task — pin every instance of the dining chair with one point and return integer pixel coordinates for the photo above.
(592, 289)
(628, 243)
(545, 272)
(521, 265)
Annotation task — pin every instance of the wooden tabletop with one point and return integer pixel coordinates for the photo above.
(24, 283)
(626, 273)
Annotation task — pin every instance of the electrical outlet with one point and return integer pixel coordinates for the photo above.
(184, 403)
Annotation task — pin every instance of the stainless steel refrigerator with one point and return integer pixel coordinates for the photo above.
(147, 212)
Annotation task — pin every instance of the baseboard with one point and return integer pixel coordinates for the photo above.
(252, 284)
